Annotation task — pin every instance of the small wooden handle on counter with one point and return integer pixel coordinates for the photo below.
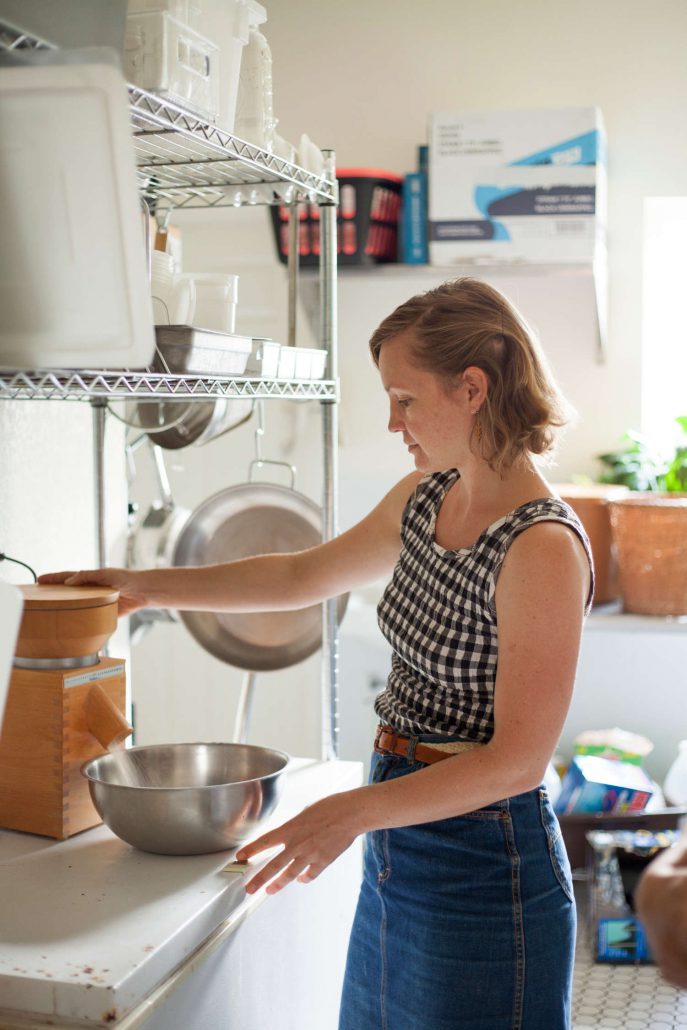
(105, 721)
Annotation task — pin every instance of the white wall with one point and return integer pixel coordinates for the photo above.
(47, 503)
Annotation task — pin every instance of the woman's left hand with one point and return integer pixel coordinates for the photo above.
(311, 841)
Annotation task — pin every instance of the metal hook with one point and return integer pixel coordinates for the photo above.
(259, 428)
(148, 242)
(259, 462)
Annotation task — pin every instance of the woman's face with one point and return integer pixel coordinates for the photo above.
(435, 422)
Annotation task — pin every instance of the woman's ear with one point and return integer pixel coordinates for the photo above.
(477, 384)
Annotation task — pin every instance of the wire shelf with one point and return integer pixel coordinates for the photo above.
(188, 162)
(13, 39)
(192, 163)
(87, 385)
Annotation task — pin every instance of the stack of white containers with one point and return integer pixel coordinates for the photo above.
(209, 57)
(190, 52)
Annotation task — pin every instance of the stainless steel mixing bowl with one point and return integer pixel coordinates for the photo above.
(186, 799)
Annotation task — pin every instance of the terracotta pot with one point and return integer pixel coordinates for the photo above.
(591, 505)
(650, 538)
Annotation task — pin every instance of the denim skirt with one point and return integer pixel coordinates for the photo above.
(465, 923)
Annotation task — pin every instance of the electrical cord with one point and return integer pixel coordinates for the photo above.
(6, 557)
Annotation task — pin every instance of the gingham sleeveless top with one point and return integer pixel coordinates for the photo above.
(439, 616)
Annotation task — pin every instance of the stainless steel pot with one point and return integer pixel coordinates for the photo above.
(172, 425)
(241, 521)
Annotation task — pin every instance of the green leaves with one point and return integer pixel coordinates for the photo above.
(676, 476)
(640, 467)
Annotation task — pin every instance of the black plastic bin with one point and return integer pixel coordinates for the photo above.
(367, 220)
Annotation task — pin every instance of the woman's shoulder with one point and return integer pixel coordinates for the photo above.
(555, 537)
(548, 507)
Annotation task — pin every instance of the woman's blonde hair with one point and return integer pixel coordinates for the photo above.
(465, 322)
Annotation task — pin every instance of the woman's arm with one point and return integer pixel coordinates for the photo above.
(540, 599)
(271, 582)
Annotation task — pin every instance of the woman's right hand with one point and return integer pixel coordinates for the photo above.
(131, 596)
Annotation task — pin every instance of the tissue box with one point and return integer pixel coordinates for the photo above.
(617, 860)
(517, 186)
(594, 784)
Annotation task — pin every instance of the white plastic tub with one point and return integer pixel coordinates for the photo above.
(216, 300)
(166, 56)
(73, 280)
(287, 363)
(264, 359)
(228, 24)
(310, 363)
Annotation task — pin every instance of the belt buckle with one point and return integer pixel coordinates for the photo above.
(389, 732)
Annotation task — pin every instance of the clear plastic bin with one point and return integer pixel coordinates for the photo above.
(228, 24)
(166, 56)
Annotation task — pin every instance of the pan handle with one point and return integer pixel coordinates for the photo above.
(162, 477)
(259, 462)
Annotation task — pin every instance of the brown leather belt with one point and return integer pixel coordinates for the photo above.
(388, 742)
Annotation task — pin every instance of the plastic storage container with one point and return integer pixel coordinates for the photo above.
(287, 363)
(69, 300)
(263, 360)
(310, 363)
(254, 120)
(166, 56)
(228, 24)
(367, 220)
(216, 297)
(174, 299)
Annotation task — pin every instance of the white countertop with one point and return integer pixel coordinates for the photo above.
(89, 926)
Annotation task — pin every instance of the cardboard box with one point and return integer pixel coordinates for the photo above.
(594, 784)
(414, 219)
(517, 186)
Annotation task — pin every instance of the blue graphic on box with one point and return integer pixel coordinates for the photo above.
(559, 200)
(594, 784)
(542, 200)
(621, 940)
(580, 150)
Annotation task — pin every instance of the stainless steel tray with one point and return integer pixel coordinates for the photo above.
(185, 348)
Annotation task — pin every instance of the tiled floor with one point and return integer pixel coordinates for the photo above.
(606, 997)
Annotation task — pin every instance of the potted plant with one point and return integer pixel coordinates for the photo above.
(649, 524)
(639, 466)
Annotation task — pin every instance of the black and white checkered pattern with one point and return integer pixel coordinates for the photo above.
(439, 616)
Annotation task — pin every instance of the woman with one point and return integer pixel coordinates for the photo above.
(466, 915)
